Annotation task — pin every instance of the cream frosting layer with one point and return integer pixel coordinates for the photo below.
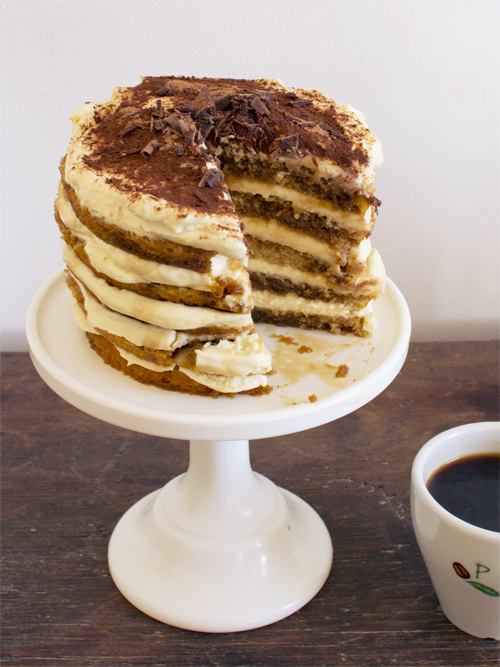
(163, 314)
(303, 202)
(226, 385)
(133, 359)
(144, 214)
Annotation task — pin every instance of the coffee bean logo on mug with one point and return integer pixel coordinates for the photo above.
(480, 569)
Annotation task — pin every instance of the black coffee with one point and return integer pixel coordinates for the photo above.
(469, 488)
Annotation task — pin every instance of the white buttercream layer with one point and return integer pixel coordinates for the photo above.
(133, 359)
(226, 385)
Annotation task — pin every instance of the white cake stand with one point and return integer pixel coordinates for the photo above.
(220, 548)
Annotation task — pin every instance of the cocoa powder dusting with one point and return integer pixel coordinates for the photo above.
(159, 140)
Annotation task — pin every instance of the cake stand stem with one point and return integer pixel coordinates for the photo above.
(219, 495)
(220, 548)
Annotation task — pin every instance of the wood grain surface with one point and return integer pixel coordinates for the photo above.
(68, 478)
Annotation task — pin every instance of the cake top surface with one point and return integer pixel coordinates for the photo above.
(152, 148)
(264, 116)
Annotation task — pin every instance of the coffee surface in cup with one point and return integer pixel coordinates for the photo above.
(469, 488)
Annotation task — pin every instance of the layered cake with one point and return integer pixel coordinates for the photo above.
(191, 209)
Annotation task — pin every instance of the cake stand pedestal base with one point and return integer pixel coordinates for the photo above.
(220, 548)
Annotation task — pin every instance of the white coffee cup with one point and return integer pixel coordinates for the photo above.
(463, 560)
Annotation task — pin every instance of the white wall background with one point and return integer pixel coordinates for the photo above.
(425, 73)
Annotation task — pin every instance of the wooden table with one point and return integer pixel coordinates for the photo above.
(68, 478)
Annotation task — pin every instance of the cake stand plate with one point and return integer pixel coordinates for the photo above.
(220, 548)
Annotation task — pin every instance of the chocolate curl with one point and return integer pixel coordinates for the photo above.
(148, 150)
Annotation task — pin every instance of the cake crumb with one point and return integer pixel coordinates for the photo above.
(285, 339)
(313, 398)
(304, 349)
(342, 371)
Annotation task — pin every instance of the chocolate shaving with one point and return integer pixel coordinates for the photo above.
(172, 121)
(290, 96)
(258, 106)
(210, 178)
(246, 123)
(148, 150)
(203, 101)
(302, 123)
(328, 129)
(164, 90)
(205, 117)
(222, 102)
(290, 143)
(127, 112)
(130, 128)
(205, 129)
(188, 129)
(158, 112)
(201, 197)
(244, 108)
(156, 125)
(269, 97)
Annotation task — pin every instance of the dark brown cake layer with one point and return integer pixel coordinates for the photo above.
(338, 325)
(262, 281)
(283, 212)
